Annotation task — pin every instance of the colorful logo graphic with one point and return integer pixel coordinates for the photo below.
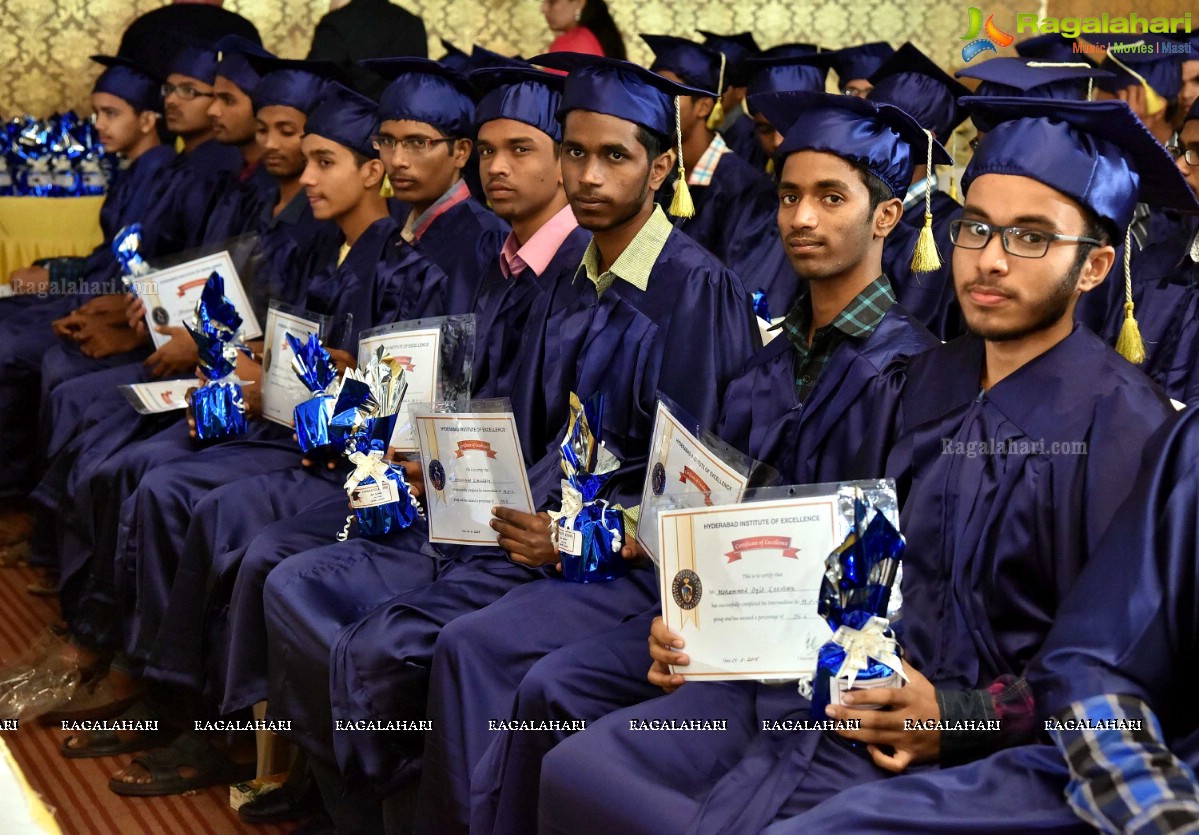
(993, 36)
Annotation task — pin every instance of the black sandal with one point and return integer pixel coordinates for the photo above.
(106, 743)
(187, 751)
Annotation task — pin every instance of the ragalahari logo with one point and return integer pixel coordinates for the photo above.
(991, 36)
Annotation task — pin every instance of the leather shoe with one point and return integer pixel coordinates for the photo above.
(294, 800)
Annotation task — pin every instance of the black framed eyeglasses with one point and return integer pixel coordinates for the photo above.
(1017, 240)
(410, 144)
(184, 91)
(1190, 154)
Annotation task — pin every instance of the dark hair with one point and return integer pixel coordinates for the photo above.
(596, 17)
(653, 143)
(1093, 227)
(360, 159)
(878, 190)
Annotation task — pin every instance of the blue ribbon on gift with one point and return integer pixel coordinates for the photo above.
(312, 363)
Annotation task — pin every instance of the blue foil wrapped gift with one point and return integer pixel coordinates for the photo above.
(587, 532)
(217, 405)
(125, 246)
(317, 371)
(854, 595)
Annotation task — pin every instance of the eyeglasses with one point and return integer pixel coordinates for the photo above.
(183, 91)
(1190, 154)
(410, 144)
(856, 92)
(1018, 241)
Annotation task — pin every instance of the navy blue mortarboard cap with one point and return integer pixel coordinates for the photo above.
(232, 61)
(1052, 47)
(454, 59)
(1096, 152)
(124, 79)
(860, 61)
(481, 58)
(195, 60)
(344, 117)
(617, 88)
(912, 82)
(521, 93)
(785, 73)
(1141, 54)
(884, 139)
(790, 50)
(293, 83)
(1032, 78)
(697, 65)
(736, 48)
(425, 91)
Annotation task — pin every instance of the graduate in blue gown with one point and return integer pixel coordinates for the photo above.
(812, 423)
(1001, 505)
(910, 81)
(426, 120)
(734, 204)
(128, 102)
(736, 127)
(630, 331)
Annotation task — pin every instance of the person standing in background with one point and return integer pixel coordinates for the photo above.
(361, 29)
(583, 26)
(203, 20)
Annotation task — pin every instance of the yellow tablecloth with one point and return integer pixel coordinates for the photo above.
(42, 227)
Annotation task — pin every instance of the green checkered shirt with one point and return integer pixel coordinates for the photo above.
(857, 321)
(635, 264)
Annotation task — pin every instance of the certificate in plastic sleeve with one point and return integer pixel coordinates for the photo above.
(171, 295)
(419, 353)
(282, 390)
(159, 396)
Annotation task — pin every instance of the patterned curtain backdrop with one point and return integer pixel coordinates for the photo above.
(45, 43)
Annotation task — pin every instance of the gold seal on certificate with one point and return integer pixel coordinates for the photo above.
(740, 583)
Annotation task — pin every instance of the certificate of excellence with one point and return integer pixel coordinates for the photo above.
(171, 295)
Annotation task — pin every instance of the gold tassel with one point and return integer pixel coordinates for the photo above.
(953, 183)
(681, 205)
(385, 190)
(770, 166)
(716, 117)
(1153, 101)
(1129, 344)
(925, 258)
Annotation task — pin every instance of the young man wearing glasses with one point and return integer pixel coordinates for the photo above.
(425, 138)
(1001, 503)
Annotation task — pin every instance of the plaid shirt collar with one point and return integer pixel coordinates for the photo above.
(858, 320)
(705, 169)
(637, 261)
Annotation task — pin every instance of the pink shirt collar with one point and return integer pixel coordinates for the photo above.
(540, 249)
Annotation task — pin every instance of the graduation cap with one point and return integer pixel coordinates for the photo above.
(630, 92)
(344, 117)
(785, 72)
(193, 58)
(425, 91)
(127, 81)
(481, 58)
(232, 61)
(860, 61)
(521, 93)
(454, 59)
(292, 83)
(698, 65)
(881, 137)
(911, 81)
(1160, 73)
(1033, 78)
(1052, 47)
(735, 48)
(790, 50)
(1095, 152)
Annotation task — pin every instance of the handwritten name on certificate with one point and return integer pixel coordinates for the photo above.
(171, 295)
(282, 390)
(740, 585)
(159, 396)
(419, 353)
(680, 463)
(472, 463)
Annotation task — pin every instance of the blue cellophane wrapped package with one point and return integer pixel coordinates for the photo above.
(587, 531)
(854, 595)
(218, 406)
(317, 371)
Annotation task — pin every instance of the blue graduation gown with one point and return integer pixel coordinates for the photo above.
(1165, 283)
(463, 242)
(843, 431)
(929, 296)
(382, 280)
(743, 139)
(627, 335)
(26, 336)
(241, 207)
(995, 538)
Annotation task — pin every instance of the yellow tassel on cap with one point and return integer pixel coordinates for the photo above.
(681, 205)
(716, 117)
(1129, 344)
(1153, 101)
(925, 258)
(953, 183)
(385, 189)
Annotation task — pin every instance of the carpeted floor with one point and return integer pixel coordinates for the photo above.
(77, 790)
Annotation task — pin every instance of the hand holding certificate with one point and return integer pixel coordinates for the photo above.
(741, 583)
(472, 463)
